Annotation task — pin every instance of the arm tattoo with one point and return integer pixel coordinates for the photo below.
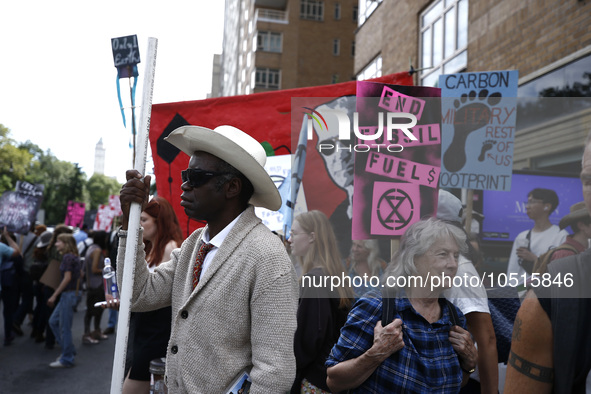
(531, 370)
(516, 330)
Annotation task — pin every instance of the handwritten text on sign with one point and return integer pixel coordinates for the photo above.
(125, 51)
(478, 129)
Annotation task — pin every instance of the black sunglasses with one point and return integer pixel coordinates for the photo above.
(197, 178)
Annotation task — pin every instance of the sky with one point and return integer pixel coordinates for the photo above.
(58, 82)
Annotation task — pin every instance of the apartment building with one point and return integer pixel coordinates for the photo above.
(283, 44)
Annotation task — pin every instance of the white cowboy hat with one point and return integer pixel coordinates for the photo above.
(236, 148)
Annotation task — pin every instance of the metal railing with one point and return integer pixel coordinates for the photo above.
(268, 15)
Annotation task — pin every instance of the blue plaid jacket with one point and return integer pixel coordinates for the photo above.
(426, 364)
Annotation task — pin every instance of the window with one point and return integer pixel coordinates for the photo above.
(335, 78)
(444, 40)
(355, 13)
(337, 11)
(366, 7)
(372, 70)
(312, 10)
(565, 90)
(267, 78)
(353, 48)
(336, 47)
(268, 41)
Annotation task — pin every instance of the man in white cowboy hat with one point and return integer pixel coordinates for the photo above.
(234, 309)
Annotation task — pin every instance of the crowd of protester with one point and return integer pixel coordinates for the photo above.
(44, 281)
(323, 336)
(412, 337)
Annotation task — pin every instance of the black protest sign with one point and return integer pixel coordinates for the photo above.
(18, 211)
(126, 52)
(30, 189)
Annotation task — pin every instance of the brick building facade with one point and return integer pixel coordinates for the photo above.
(547, 41)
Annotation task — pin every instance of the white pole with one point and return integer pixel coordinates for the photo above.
(134, 225)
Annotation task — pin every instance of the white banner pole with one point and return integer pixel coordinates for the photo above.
(134, 225)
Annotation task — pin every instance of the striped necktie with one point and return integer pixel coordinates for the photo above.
(203, 250)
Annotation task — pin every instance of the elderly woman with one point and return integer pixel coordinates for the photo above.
(421, 350)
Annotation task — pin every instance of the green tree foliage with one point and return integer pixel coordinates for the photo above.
(13, 161)
(63, 181)
(100, 187)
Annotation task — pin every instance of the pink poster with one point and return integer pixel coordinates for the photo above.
(395, 188)
(75, 214)
(428, 134)
(393, 167)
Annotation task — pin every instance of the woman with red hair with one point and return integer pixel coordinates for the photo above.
(151, 330)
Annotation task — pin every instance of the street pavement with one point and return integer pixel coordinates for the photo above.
(24, 365)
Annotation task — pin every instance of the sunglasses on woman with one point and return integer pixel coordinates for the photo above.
(197, 178)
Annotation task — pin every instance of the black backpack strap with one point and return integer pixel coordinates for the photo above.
(388, 307)
(86, 246)
(455, 320)
(528, 237)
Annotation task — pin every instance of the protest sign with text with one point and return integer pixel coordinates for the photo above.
(18, 209)
(395, 189)
(478, 129)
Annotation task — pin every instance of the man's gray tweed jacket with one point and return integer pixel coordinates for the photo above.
(242, 314)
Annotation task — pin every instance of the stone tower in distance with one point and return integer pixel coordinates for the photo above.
(99, 158)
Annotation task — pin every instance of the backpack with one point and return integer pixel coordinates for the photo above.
(545, 258)
(83, 248)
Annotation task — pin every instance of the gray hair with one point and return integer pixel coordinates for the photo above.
(417, 240)
(373, 259)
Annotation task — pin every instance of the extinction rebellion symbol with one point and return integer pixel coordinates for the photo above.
(395, 209)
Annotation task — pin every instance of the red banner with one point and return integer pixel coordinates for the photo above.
(266, 117)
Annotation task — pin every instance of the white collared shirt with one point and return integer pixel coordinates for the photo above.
(216, 242)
